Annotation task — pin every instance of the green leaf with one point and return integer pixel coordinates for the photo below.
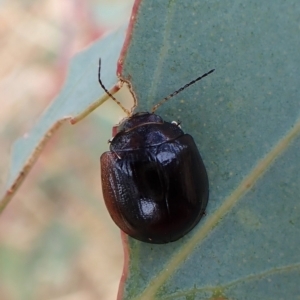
(245, 120)
(79, 96)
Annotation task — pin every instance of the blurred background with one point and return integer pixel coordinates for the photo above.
(57, 240)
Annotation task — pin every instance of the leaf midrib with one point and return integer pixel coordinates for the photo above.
(252, 277)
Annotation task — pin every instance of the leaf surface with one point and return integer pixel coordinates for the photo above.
(245, 120)
(79, 96)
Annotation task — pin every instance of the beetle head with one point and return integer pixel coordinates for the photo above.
(140, 118)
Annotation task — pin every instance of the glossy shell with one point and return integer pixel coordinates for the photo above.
(154, 182)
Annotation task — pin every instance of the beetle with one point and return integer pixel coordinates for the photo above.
(154, 182)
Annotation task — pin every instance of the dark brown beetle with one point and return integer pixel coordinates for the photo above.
(154, 182)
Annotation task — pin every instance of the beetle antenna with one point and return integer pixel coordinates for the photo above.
(108, 93)
(155, 107)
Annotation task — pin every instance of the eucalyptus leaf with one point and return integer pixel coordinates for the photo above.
(79, 96)
(245, 120)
